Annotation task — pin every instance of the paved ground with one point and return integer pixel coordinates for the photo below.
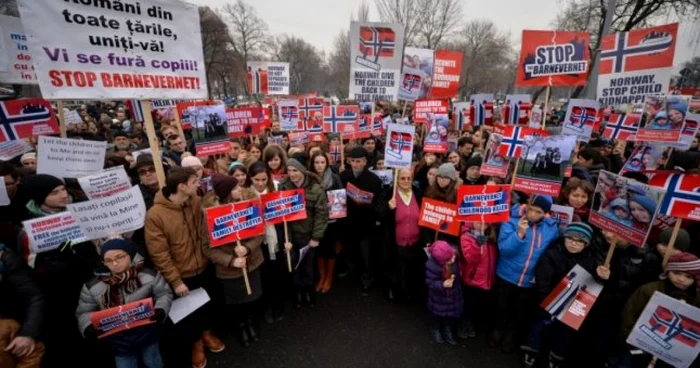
(348, 330)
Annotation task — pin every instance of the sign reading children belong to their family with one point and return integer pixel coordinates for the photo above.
(439, 216)
(110, 50)
(553, 58)
(376, 51)
(284, 206)
(236, 221)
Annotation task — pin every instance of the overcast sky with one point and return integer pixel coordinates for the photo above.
(319, 21)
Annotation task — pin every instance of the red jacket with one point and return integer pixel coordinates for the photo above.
(478, 262)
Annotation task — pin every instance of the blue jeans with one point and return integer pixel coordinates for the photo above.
(150, 355)
(561, 334)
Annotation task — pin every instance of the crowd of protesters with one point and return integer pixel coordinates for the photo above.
(491, 278)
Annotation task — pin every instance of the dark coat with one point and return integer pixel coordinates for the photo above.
(314, 226)
(361, 217)
(20, 296)
(443, 302)
(556, 262)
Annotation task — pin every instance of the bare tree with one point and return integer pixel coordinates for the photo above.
(9, 7)
(405, 12)
(440, 19)
(216, 47)
(362, 12)
(248, 31)
(339, 65)
(306, 72)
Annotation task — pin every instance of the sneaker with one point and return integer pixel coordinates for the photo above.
(555, 361)
(437, 336)
(466, 331)
(529, 357)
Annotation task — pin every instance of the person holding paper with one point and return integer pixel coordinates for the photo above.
(176, 235)
(307, 232)
(121, 280)
(231, 259)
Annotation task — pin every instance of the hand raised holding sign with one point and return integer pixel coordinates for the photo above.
(522, 227)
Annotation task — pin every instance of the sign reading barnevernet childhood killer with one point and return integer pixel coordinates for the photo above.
(483, 203)
(287, 205)
(236, 221)
(375, 61)
(113, 49)
(553, 58)
(439, 216)
(124, 317)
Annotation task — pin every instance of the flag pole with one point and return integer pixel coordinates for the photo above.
(62, 119)
(245, 273)
(153, 141)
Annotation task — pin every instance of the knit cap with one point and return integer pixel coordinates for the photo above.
(27, 156)
(580, 231)
(441, 252)
(191, 161)
(358, 152)
(39, 186)
(474, 161)
(117, 244)
(621, 203)
(542, 201)
(685, 262)
(447, 170)
(223, 184)
(646, 202)
(682, 242)
(297, 165)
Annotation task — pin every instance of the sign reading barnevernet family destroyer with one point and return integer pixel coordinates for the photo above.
(236, 221)
(375, 61)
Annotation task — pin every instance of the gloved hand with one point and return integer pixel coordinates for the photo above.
(90, 332)
(159, 315)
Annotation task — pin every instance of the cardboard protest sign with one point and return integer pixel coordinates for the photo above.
(446, 72)
(298, 139)
(573, 297)
(71, 117)
(235, 221)
(124, 317)
(268, 78)
(513, 139)
(460, 116)
(106, 183)
(311, 114)
(493, 163)
(245, 121)
(690, 130)
(341, 119)
(483, 203)
(359, 196)
(625, 207)
(69, 158)
(682, 199)
(16, 51)
(439, 216)
(543, 163)
(375, 61)
(621, 126)
(287, 205)
(663, 118)
(553, 58)
(398, 151)
(668, 329)
(337, 204)
(86, 50)
(416, 73)
(636, 64)
(209, 128)
(119, 213)
(25, 118)
(481, 109)
(644, 157)
(580, 118)
(516, 109)
(288, 115)
(424, 110)
(564, 215)
(49, 232)
(12, 149)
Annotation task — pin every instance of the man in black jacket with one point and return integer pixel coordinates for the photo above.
(21, 312)
(363, 188)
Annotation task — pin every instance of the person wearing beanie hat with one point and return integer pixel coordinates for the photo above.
(444, 189)
(47, 193)
(473, 171)
(223, 186)
(28, 160)
(308, 232)
(122, 142)
(195, 163)
(521, 242)
(681, 281)
(363, 189)
(641, 208)
(682, 243)
(447, 171)
(677, 109)
(445, 300)
(121, 280)
(571, 250)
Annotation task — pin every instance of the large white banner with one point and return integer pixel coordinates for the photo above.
(268, 78)
(376, 51)
(15, 49)
(69, 158)
(96, 49)
(119, 213)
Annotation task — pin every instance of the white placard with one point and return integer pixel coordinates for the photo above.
(116, 49)
(580, 118)
(289, 115)
(4, 198)
(268, 78)
(69, 158)
(16, 46)
(376, 51)
(12, 149)
(119, 213)
(183, 307)
(106, 183)
(398, 152)
(4, 61)
(49, 232)
(71, 116)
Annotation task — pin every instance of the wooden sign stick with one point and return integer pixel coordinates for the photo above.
(669, 247)
(611, 250)
(286, 240)
(396, 180)
(153, 141)
(245, 273)
(62, 119)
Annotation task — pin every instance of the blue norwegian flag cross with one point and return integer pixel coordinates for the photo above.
(28, 116)
(623, 49)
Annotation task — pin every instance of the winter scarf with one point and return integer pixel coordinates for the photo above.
(129, 279)
(327, 179)
(270, 233)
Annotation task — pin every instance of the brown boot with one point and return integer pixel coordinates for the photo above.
(330, 270)
(212, 342)
(199, 359)
(321, 264)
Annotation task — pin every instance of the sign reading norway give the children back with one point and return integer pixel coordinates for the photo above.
(102, 49)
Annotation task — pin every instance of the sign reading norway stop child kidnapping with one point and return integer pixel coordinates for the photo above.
(99, 49)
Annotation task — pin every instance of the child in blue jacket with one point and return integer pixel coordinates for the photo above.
(521, 242)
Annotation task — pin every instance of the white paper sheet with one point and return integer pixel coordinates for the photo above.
(183, 307)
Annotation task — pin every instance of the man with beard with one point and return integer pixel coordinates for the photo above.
(122, 144)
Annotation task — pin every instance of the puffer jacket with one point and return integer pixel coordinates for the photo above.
(316, 221)
(517, 257)
(556, 263)
(477, 261)
(175, 238)
(153, 285)
(223, 256)
(441, 301)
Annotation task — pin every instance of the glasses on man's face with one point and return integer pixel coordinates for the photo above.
(147, 170)
(116, 259)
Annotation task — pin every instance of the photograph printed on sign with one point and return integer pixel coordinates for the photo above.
(625, 207)
(645, 157)
(417, 73)
(209, 128)
(494, 164)
(543, 163)
(436, 133)
(663, 118)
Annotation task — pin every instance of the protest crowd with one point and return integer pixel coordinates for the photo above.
(139, 232)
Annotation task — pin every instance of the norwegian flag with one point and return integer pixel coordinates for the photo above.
(340, 119)
(411, 81)
(682, 197)
(310, 108)
(365, 130)
(400, 142)
(582, 116)
(25, 118)
(289, 112)
(514, 139)
(481, 111)
(377, 41)
(622, 126)
(623, 48)
(335, 152)
(670, 325)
